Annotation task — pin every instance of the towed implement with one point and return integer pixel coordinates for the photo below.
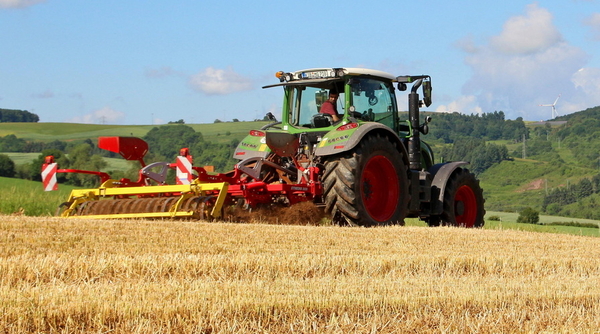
(197, 194)
(340, 144)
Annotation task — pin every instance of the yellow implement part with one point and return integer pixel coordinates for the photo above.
(108, 189)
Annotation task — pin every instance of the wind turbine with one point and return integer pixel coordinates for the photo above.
(553, 105)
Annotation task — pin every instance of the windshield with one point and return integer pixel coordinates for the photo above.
(373, 99)
(306, 102)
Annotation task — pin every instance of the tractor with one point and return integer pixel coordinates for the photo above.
(362, 164)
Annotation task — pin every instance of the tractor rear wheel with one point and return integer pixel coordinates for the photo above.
(367, 186)
(463, 201)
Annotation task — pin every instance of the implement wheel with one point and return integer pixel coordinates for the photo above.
(463, 201)
(367, 186)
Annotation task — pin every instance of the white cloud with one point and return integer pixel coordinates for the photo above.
(588, 79)
(18, 3)
(530, 33)
(464, 104)
(528, 63)
(212, 81)
(587, 94)
(594, 22)
(105, 115)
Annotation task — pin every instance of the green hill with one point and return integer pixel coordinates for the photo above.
(561, 159)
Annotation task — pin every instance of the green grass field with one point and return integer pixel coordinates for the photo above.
(21, 158)
(508, 221)
(28, 197)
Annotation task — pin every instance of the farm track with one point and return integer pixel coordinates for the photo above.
(135, 276)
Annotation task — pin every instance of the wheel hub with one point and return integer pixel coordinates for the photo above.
(380, 188)
(459, 208)
(465, 206)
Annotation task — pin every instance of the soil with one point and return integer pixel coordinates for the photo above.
(303, 213)
(534, 185)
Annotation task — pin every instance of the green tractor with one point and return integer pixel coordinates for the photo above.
(341, 144)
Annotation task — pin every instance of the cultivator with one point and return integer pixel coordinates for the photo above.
(198, 194)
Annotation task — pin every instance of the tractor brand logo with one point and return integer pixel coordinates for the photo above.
(299, 188)
(337, 139)
(249, 145)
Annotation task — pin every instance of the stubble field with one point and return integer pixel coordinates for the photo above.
(136, 276)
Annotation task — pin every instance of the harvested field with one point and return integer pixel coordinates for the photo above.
(81, 276)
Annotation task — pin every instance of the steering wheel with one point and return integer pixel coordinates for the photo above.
(373, 100)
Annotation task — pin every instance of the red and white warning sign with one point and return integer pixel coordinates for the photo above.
(184, 169)
(49, 176)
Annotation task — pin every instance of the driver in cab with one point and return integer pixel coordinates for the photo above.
(329, 107)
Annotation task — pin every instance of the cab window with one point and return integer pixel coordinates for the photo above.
(374, 100)
(306, 102)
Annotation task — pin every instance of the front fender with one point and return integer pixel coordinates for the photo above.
(441, 173)
(250, 147)
(338, 141)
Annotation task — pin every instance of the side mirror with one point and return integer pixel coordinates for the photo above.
(427, 93)
(401, 86)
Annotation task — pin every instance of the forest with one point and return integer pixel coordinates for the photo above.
(17, 116)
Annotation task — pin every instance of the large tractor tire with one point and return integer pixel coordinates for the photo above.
(368, 186)
(463, 202)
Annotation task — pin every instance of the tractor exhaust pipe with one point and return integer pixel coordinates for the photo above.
(414, 142)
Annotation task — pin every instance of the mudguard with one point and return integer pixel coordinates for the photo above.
(346, 137)
(253, 145)
(441, 173)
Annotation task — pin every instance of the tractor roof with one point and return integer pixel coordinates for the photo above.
(317, 76)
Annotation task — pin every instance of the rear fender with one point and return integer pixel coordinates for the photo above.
(441, 173)
(336, 141)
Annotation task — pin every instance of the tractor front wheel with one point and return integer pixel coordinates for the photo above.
(463, 201)
(368, 186)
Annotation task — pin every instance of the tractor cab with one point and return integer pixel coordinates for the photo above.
(362, 95)
(364, 101)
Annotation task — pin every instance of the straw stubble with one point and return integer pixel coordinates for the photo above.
(170, 276)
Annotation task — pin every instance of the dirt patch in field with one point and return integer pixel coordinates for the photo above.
(533, 185)
(303, 213)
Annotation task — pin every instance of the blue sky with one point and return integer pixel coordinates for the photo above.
(150, 62)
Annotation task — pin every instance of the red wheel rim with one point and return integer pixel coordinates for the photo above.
(465, 207)
(380, 189)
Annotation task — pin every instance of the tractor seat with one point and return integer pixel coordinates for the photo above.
(321, 121)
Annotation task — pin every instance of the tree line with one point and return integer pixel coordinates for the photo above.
(449, 127)
(17, 116)
(468, 136)
(556, 199)
(10, 143)
(480, 154)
